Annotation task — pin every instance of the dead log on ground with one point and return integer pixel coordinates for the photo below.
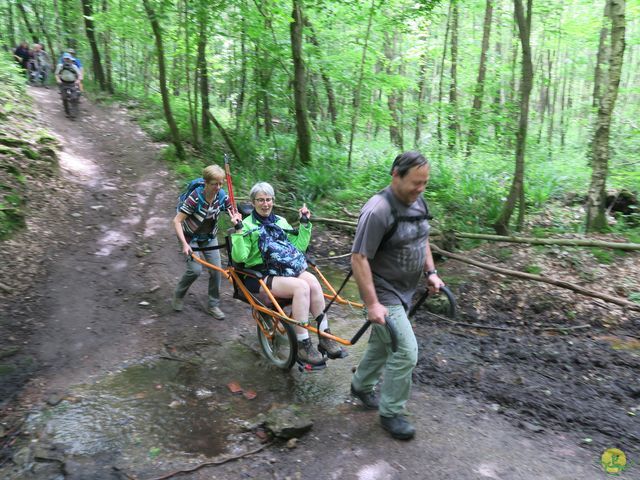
(528, 276)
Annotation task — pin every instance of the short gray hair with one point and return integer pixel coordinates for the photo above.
(261, 187)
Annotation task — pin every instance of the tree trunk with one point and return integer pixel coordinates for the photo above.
(243, 74)
(358, 89)
(595, 215)
(184, 21)
(331, 97)
(599, 79)
(87, 13)
(299, 84)
(11, 29)
(516, 193)
(544, 95)
(421, 89)
(25, 19)
(58, 22)
(204, 76)
(162, 74)
(43, 29)
(476, 109)
(441, 82)
(106, 40)
(395, 131)
(68, 26)
(454, 125)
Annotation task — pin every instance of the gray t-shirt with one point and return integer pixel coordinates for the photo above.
(398, 266)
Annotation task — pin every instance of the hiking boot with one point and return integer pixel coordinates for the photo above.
(368, 399)
(216, 313)
(331, 347)
(307, 353)
(177, 303)
(398, 427)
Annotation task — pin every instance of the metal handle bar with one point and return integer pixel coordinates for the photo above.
(392, 333)
(444, 289)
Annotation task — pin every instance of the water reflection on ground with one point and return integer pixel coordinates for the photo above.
(179, 403)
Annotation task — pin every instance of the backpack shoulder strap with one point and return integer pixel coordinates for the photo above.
(386, 194)
(394, 214)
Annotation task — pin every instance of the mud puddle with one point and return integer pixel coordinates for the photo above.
(192, 401)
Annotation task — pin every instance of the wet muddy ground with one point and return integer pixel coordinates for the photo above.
(100, 379)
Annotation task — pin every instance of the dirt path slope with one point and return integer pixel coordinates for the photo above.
(103, 301)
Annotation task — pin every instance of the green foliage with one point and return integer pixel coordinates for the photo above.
(603, 256)
(533, 269)
(248, 56)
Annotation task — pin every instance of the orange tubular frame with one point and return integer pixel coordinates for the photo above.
(277, 313)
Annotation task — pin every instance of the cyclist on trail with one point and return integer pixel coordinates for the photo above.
(76, 61)
(67, 72)
(266, 243)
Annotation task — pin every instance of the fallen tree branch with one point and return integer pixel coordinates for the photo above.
(214, 462)
(334, 257)
(528, 276)
(225, 135)
(471, 325)
(561, 328)
(573, 242)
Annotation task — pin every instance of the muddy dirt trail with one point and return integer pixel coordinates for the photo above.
(104, 381)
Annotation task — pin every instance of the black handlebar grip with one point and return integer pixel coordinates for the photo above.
(360, 332)
(392, 333)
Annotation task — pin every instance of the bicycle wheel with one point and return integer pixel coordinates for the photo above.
(65, 103)
(277, 339)
(73, 105)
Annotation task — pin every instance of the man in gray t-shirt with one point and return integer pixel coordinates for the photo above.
(389, 255)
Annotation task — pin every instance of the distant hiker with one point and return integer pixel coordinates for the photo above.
(42, 63)
(22, 54)
(387, 268)
(196, 225)
(266, 242)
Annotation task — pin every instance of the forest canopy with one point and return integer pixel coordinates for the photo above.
(516, 104)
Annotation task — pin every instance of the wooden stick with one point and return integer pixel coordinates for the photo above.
(573, 242)
(214, 462)
(528, 276)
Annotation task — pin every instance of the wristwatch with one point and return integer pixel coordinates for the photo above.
(428, 273)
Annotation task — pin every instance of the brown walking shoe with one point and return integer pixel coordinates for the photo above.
(331, 347)
(307, 353)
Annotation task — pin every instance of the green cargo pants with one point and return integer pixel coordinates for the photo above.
(396, 368)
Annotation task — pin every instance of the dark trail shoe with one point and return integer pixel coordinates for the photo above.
(177, 303)
(331, 347)
(368, 399)
(398, 427)
(307, 353)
